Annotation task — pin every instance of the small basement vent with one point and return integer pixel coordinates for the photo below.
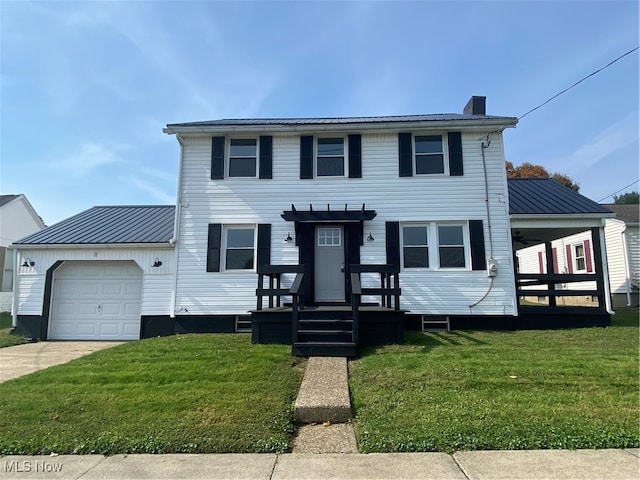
(435, 323)
(243, 324)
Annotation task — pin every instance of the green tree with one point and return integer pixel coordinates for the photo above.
(627, 198)
(529, 170)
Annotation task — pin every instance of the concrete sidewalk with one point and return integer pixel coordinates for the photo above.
(30, 357)
(525, 464)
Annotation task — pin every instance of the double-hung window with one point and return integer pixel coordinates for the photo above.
(580, 261)
(330, 155)
(451, 240)
(451, 246)
(239, 248)
(243, 154)
(415, 246)
(429, 154)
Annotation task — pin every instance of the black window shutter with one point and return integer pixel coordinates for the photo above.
(392, 235)
(213, 247)
(455, 154)
(217, 158)
(266, 156)
(264, 244)
(355, 156)
(306, 156)
(405, 155)
(476, 237)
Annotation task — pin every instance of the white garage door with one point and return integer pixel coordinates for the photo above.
(96, 301)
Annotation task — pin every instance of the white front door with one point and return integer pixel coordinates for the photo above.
(329, 264)
(96, 301)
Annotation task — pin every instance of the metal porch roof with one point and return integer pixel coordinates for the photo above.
(545, 196)
(109, 225)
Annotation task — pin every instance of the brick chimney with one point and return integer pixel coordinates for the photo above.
(476, 106)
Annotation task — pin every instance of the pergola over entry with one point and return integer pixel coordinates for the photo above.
(542, 210)
(345, 216)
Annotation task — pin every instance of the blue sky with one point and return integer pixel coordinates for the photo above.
(86, 87)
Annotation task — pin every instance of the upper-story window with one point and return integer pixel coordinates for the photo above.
(429, 154)
(243, 156)
(330, 156)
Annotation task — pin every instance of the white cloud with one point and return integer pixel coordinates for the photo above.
(142, 182)
(88, 157)
(617, 136)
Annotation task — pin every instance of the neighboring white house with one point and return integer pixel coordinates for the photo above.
(623, 253)
(574, 254)
(17, 220)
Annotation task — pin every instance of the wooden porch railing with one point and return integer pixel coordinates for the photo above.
(551, 281)
(275, 291)
(389, 290)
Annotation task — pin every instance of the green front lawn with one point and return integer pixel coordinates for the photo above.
(469, 390)
(202, 393)
(6, 339)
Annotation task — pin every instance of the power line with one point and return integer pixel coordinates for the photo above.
(623, 188)
(579, 82)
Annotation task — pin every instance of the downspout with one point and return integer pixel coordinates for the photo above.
(625, 258)
(176, 231)
(14, 296)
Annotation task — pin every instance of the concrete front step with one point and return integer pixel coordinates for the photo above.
(324, 393)
(324, 349)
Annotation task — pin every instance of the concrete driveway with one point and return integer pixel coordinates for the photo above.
(23, 359)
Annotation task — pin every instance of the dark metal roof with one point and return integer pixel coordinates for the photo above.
(339, 120)
(107, 225)
(545, 196)
(4, 199)
(626, 213)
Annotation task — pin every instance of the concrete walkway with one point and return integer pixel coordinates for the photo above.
(525, 464)
(30, 357)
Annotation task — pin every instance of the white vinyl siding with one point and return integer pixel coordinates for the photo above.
(433, 197)
(157, 282)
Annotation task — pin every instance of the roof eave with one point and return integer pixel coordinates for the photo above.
(474, 124)
(70, 246)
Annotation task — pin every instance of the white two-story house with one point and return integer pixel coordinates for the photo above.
(323, 232)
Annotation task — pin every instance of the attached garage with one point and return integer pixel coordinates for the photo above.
(96, 301)
(104, 274)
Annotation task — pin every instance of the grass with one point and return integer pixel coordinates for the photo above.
(471, 390)
(6, 339)
(202, 393)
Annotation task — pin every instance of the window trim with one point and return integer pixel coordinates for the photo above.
(224, 247)
(445, 155)
(228, 156)
(345, 155)
(433, 245)
(575, 257)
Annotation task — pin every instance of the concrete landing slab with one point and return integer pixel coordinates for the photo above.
(323, 438)
(545, 464)
(423, 466)
(324, 392)
(23, 359)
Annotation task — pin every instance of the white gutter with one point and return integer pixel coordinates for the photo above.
(176, 230)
